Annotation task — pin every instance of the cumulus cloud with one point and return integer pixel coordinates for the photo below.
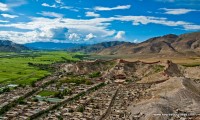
(177, 11)
(89, 37)
(120, 7)
(3, 7)
(78, 25)
(92, 14)
(23, 37)
(53, 35)
(45, 28)
(59, 33)
(51, 14)
(74, 37)
(120, 35)
(9, 16)
(136, 41)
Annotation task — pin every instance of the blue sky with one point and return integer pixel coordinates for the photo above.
(93, 21)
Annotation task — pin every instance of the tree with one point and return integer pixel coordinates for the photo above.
(88, 82)
(95, 74)
(80, 108)
(7, 89)
(33, 84)
(59, 95)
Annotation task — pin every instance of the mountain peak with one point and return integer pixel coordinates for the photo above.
(169, 44)
(170, 36)
(9, 46)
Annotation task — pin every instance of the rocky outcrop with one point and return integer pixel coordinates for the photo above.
(173, 69)
(112, 68)
(176, 95)
(192, 72)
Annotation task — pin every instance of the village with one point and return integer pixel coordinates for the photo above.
(36, 103)
(99, 95)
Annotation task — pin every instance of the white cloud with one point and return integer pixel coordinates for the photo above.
(192, 27)
(120, 7)
(45, 28)
(47, 5)
(177, 11)
(58, 1)
(16, 3)
(69, 8)
(3, 21)
(22, 37)
(3, 7)
(74, 37)
(92, 14)
(51, 14)
(61, 6)
(74, 25)
(149, 19)
(66, 7)
(9, 16)
(185, 3)
(120, 35)
(89, 37)
(136, 41)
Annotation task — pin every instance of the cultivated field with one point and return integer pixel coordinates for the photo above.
(25, 68)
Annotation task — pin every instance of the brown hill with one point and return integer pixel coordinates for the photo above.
(111, 68)
(176, 96)
(186, 44)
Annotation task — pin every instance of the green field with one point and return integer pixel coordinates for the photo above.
(47, 93)
(18, 68)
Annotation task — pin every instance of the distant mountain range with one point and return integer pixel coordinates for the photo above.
(8, 46)
(52, 45)
(97, 47)
(185, 44)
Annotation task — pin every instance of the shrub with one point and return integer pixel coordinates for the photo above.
(7, 89)
(95, 74)
(80, 108)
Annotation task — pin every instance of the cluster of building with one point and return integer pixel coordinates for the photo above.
(109, 102)
(8, 97)
(14, 94)
(36, 103)
(127, 96)
(94, 105)
(25, 111)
